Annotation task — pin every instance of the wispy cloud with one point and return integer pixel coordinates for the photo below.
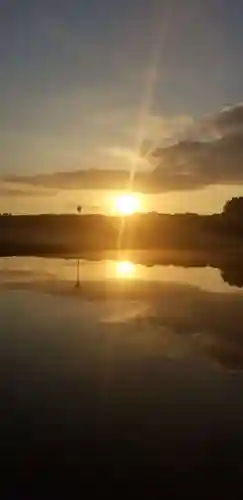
(128, 156)
(18, 189)
(181, 155)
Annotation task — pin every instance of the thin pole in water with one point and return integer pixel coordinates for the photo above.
(78, 275)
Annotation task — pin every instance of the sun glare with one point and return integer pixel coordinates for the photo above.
(126, 204)
(125, 269)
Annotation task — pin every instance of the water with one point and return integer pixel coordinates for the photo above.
(138, 367)
(33, 270)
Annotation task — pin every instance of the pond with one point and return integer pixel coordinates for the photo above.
(120, 364)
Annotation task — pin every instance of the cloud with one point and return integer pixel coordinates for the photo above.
(162, 129)
(157, 130)
(229, 121)
(18, 188)
(214, 154)
(182, 155)
(128, 155)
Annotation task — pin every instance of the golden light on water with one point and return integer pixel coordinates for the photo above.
(126, 204)
(125, 269)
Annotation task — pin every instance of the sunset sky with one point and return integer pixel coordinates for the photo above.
(83, 83)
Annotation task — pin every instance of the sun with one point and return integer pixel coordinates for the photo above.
(125, 269)
(126, 204)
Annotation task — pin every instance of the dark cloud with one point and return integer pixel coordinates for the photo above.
(216, 157)
(229, 120)
(213, 156)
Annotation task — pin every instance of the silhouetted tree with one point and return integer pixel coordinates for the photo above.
(233, 274)
(234, 208)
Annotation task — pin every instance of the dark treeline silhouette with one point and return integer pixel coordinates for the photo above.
(232, 273)
(233, 208)
(66, 234)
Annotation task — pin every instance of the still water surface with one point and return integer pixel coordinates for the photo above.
(48, 270)
(169, 311)
(134, 365)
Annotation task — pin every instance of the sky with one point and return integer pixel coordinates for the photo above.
(84, 83)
